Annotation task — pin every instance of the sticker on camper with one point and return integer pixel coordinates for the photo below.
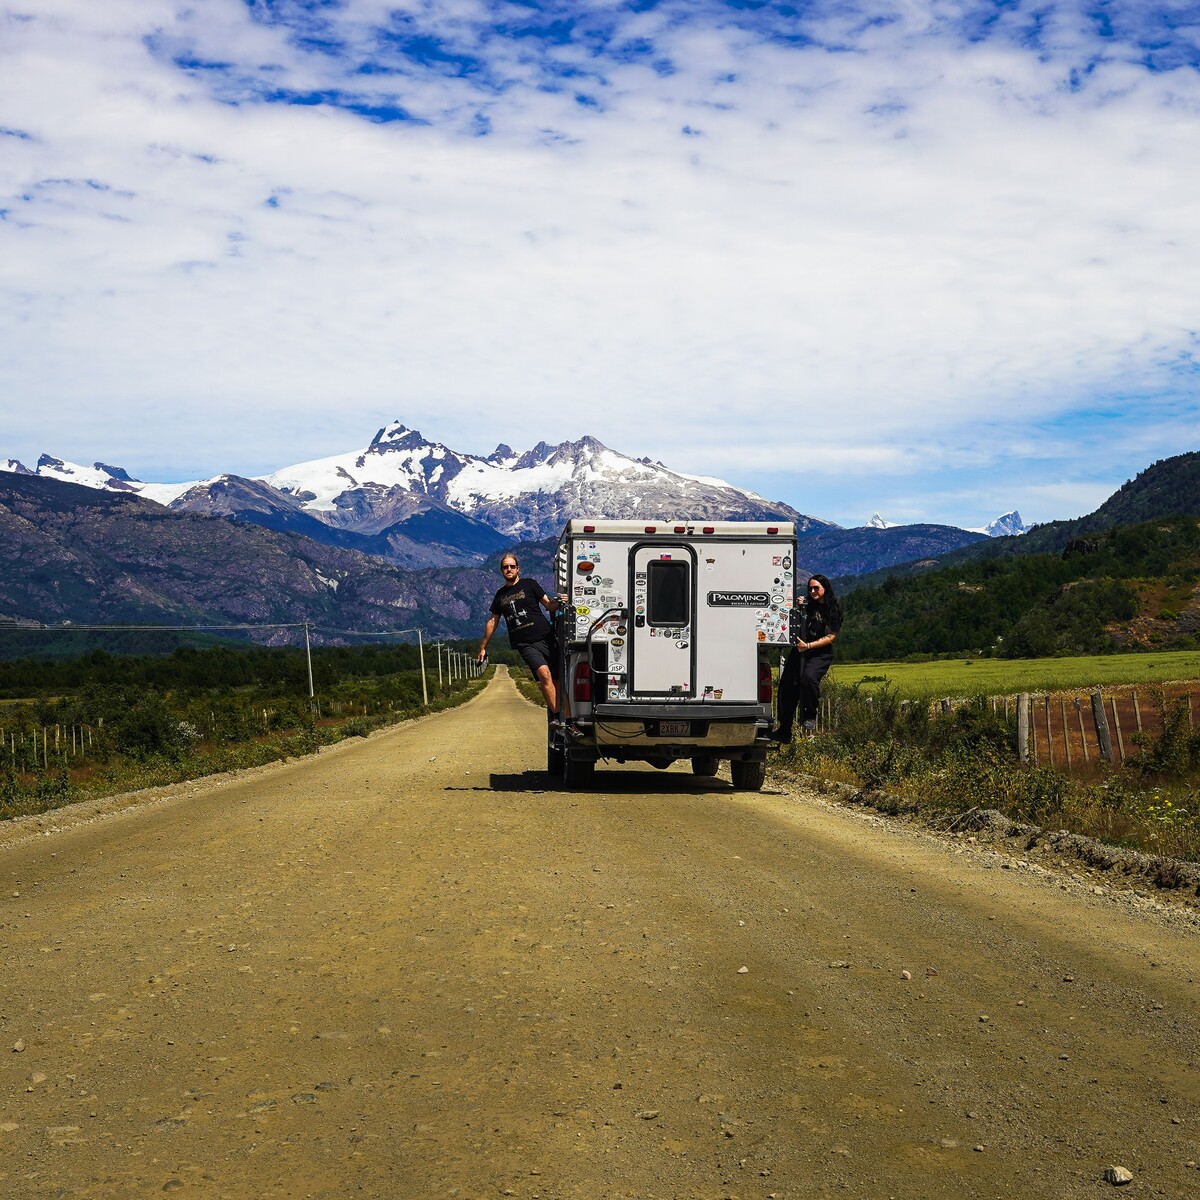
(585, 567)
(738, 599)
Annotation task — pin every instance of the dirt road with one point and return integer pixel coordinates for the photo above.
(412, 968)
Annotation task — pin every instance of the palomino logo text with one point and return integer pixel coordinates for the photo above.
(739, 599)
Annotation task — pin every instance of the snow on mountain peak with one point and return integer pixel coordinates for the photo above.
(877, 522)
(1008, 525)
(527, 495)
(112, 479)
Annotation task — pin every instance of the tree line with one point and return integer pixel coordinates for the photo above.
(1079, 601)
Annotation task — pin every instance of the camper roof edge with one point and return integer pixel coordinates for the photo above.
(677, 527)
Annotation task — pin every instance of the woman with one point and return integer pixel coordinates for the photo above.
(810, 658)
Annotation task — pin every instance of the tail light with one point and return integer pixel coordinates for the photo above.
(764, 682)
(582, 688)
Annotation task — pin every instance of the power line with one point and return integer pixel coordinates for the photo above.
(72, 626)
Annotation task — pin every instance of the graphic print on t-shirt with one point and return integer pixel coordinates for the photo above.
(519, 605)
(517, 613)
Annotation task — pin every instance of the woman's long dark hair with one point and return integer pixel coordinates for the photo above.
(829, 602)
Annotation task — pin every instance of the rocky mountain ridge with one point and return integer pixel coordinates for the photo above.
(85, 555)
(419, 503)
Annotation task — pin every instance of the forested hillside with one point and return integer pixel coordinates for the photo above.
(1167, 488)
(1130, 588)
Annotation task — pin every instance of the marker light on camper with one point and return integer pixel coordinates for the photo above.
(764, 682)
(582, 689)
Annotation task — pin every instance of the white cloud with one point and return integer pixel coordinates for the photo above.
(850, 256)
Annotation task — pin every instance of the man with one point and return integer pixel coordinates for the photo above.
(520, 603)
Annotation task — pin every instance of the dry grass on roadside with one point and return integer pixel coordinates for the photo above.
(939, 766)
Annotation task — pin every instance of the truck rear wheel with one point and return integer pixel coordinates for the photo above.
(554, 760)
(748, 776)
(705, 764)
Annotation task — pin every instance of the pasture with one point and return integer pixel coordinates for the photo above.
(959, 677)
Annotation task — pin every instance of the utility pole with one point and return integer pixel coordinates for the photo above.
(308, 656)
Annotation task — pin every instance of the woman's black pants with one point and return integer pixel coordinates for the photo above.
(800, 687)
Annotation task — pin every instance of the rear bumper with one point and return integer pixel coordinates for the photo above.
(658, 731)
(696, 710)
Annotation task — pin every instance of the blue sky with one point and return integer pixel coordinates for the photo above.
(936, 259)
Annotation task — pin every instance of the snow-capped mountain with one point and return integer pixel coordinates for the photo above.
(402, 491)
(525, 496)
(1009, 525)
(98, 475)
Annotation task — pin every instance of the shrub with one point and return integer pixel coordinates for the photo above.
(148, 728)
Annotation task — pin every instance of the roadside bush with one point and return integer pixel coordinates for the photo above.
(941, 765)
(972, 728)
(1176, 751)
(148, 728)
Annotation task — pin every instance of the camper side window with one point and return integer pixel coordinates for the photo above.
(668, 593)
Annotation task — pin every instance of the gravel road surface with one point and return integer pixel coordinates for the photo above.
(412, 967)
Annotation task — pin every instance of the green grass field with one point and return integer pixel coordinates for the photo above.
(1005, 677)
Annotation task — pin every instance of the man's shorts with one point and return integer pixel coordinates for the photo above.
(536, 655)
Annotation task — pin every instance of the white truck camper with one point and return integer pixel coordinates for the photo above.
(665, 641)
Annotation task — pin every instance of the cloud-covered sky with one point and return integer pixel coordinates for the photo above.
(939, 258)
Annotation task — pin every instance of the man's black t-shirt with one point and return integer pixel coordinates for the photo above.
(520, 606)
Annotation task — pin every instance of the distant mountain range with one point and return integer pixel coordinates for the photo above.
(416, 503)
(1168, 487)
(83, 555)
(107, 554)
(839, 552)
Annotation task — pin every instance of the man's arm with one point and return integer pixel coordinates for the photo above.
(493, 621)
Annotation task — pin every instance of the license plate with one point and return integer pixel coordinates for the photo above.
(674, 728)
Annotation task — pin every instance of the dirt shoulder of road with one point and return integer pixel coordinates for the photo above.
(1065, 860)
(16, 830)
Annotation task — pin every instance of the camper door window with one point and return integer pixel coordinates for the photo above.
(669, 591)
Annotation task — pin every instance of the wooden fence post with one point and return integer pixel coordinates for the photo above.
(1062, 708)
(1049, 736)
(1023, 727)
(1112, 700)
(1102, 734)
(1137, 711)
(1082, 731)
